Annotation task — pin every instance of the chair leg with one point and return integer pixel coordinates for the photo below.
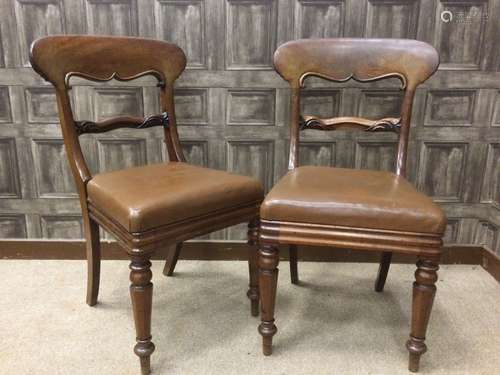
(172, 257)
(383, 269)
(253, 267)
(424, 289)
(141, 293)
(268, 279)
(294, 272)
(93, 248)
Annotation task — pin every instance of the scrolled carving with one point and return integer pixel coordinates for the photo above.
(83, 127)
(384, 124)
(115, 75)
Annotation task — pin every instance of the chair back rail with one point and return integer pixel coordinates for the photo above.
(364, 60)
(103, 58)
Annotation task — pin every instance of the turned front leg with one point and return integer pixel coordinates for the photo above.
(141, 292)
(268, 279)
(424, 290)
(253, 266)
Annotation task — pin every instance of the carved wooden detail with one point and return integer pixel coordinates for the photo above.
(355, 77)
(268, 279)
(141, 292)
(114, 75)
(83, 127)
(424, 290)
(386, 124)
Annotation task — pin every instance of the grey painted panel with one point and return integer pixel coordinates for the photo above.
(12, 226)
(317, 153)
(441, 170)
(9, 171)
(112, 17)
(491, 176)
(450, 107)
(459, 40)
(376, 155)
(36, 19)
(52, 174)
(110, 102)
(321, 103)
(486, 234)
(61, 226)
(5, 110)
(183, 22)
(191, 106)
(41, 105)
(392, 19)
(376, 104)
(495, 121)
(196, 152)
(319, 19)
(252, 158)
(451, 232)
(250, 107)
(2, 59)
(121, 153)
(251, 33)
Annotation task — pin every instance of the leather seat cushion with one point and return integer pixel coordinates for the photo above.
(143, 198)
(352, 198)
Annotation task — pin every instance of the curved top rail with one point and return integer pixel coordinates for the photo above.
(341, 59)
(102, 58)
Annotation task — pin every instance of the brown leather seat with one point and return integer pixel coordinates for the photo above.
(354, 198)
(144, 198)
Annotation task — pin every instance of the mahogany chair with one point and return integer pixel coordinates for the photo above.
(150, 207)
(348, 208)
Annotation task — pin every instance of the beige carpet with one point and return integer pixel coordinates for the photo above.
(334, 323)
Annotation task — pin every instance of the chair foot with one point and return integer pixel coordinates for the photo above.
(268, 279)
(416, 347)
(93, 247)
(172, 257)
(145, 359)
(141, 293)
(424, 290)
(253, 267)
(267, 330)
(383, 269)
(294, 271)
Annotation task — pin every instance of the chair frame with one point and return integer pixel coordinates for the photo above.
(340, 60)
(100, 59)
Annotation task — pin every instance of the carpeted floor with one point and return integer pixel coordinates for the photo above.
(333, 323)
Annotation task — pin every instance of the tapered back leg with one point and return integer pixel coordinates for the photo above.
(172, 257)
(93, 247)
(383, 269)
(294, 272)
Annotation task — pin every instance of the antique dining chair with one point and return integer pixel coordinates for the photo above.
(347, 208)
(149, 207)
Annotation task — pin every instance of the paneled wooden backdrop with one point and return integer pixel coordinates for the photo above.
(233, 108)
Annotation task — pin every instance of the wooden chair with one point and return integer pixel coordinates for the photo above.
(149, 207)
(347, 208)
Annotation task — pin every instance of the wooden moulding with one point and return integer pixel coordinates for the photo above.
(149, 241)
(352, 238)
(85, 127)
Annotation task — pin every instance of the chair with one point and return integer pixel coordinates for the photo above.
(348, 208)
(150, 207)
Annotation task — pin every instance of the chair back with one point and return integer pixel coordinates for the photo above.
(103, 58)
(363, 60)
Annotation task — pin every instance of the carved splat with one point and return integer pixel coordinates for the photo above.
(83, 127)
(385, 124)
